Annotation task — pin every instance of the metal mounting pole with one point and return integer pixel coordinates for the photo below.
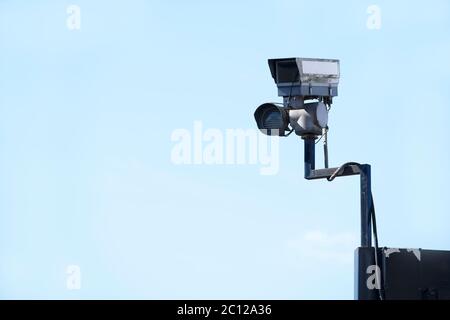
(352, 169)
(310, 154)
(366, 203)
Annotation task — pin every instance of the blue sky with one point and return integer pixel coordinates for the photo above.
(86, 118)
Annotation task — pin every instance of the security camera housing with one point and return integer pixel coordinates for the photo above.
(306, 77)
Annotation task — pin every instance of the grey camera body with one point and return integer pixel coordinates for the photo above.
(309, 120)
(311, 78)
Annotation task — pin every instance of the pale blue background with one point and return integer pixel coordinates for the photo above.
(85, 124)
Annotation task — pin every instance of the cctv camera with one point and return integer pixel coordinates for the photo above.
(307, 87)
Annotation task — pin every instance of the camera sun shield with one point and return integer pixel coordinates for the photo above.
(306, 77)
